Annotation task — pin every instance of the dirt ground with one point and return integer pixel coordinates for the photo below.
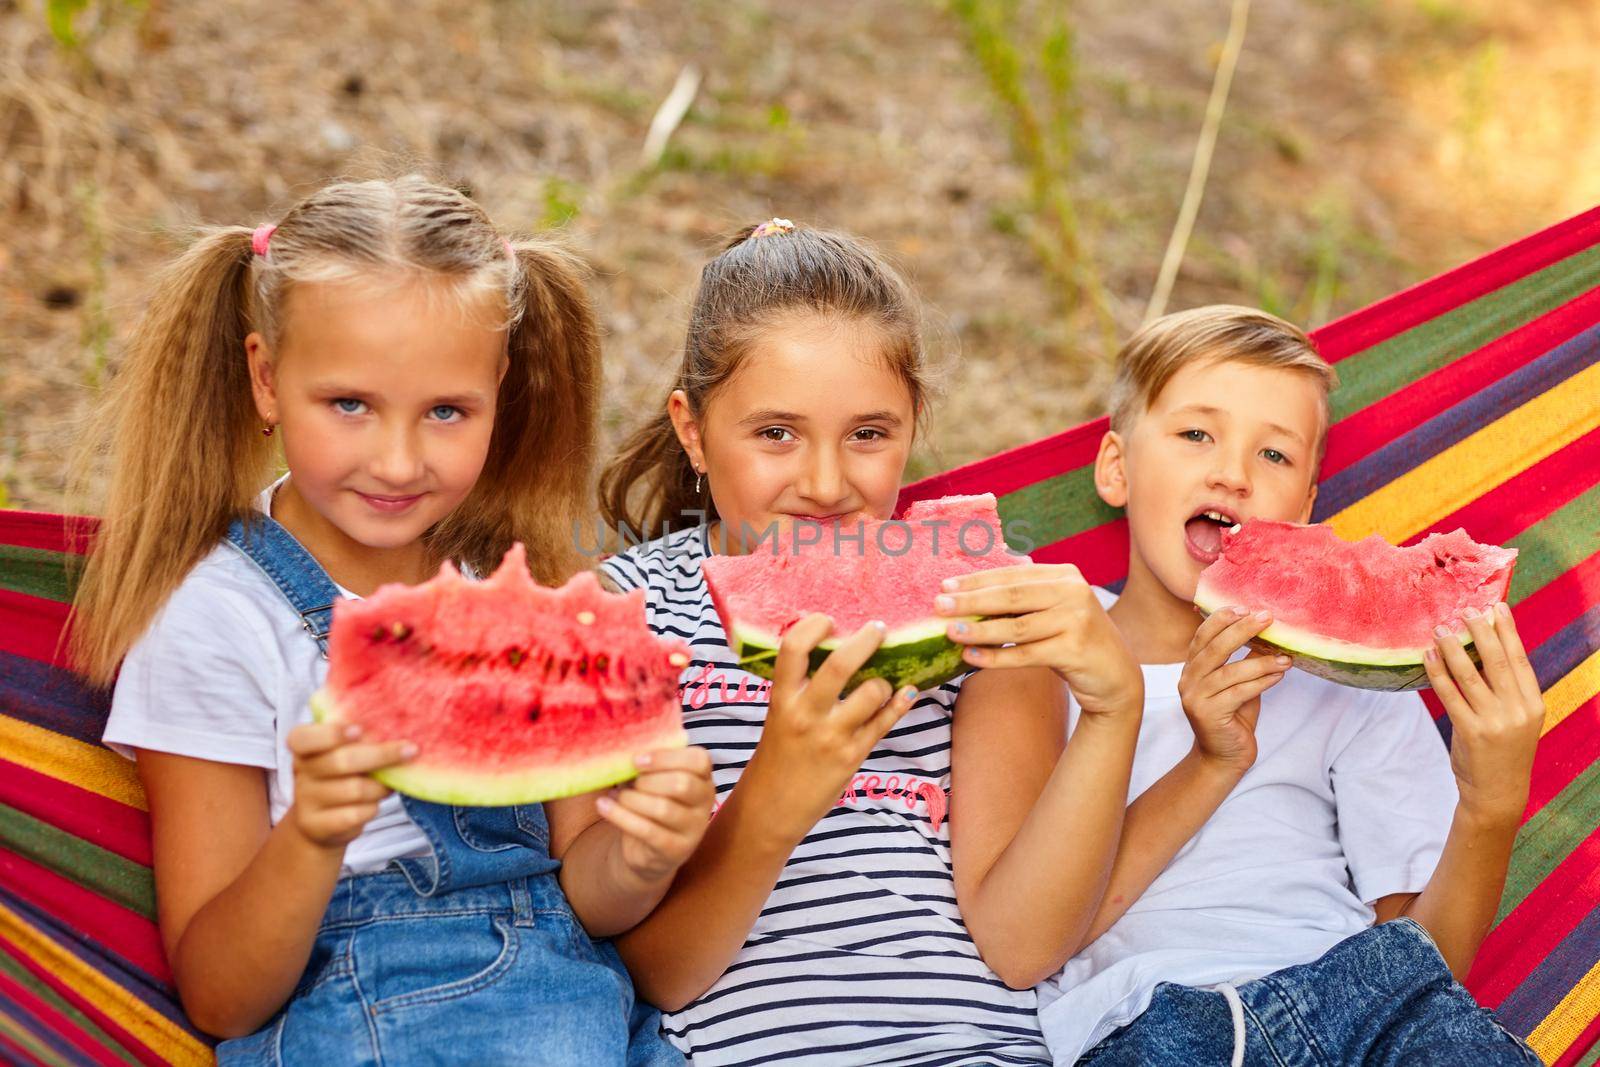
(1368, 144)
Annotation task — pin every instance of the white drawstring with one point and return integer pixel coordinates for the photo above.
(1236, 1009)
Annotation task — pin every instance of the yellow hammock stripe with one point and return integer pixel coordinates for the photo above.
(1567, 1021)
(1471, 467)
(160, 1034)
(90, 767)
(1568, 694)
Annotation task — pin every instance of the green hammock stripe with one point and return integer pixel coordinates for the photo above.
(39, 988)
(1555, 544)
(1379, 372)
(100, 870)
(35, 572)
(24, 1038)
(1551, 836)
(1056, 508)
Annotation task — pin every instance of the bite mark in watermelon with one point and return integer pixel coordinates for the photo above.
(893, 576)
(513, 693)
(1360, 613)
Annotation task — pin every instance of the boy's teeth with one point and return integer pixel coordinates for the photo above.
(1235, 528)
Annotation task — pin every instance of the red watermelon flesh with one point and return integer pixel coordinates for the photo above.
(512, 692)
(1360, 613)
(892, 572)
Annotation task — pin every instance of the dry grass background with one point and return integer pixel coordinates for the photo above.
(1368, 144)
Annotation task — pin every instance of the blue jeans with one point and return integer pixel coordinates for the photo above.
(497, 974)
(1383, 997)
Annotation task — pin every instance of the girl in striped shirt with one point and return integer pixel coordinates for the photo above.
(887, 874)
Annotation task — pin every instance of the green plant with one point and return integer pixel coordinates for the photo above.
(97, 330)
(562, 203)
(1028, 57)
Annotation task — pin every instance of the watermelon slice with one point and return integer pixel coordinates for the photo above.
(1358, 613)
(512, 693)
(892, 572)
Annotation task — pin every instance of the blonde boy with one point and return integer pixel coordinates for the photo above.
(1305, 868)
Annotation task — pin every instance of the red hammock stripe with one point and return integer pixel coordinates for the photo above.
(1514, 949)
(113, 826)
(31, 626)
(118, 930)
(56, 1023)
(1363, 432)
(1361, 330)
(113, 1029)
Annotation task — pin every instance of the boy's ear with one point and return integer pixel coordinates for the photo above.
(1110, 470)
(687, 427)
(263, 377)
(1311, 500)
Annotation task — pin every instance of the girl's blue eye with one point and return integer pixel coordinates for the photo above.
(348, 406)
(445, 412)
(1194, 435)
(1274, 456)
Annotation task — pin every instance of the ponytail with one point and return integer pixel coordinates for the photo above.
(179, 430)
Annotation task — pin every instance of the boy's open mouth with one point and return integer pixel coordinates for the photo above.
(1202, 533)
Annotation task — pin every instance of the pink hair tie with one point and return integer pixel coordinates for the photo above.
(260, 237)
(771, 228)
(511, 253)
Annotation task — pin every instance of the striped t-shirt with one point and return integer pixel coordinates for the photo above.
(860, 954)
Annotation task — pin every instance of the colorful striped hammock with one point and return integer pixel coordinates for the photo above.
(1471, 400)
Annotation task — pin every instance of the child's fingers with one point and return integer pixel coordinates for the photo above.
(884, 718)
(314, 738)
(1492, 654)
(1521, 668)
(1226, 640)
(634, 825)
(1022, 572)
(1035, 593)
(681, 786)
(794, 651)
(1455, 705)
(844, 661)
(855, 710)
(347, 789)
(1462, 670)
(660, 810)
(1008, 629)
(693, 760)
(357, 758)
(1249, 669)
(1237, 694)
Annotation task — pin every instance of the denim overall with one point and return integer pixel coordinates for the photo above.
(469, 955)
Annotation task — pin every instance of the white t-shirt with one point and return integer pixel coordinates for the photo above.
(224, 672)
(1350, 799)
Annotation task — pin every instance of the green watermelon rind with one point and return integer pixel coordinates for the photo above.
(917, 654)
(1346, 663)
(475, 788)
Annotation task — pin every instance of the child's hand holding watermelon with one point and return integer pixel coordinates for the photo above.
(1222, 696)
(1495, 715)
(1045, 615)
(663, 813)
(813, 741)
(334, 795)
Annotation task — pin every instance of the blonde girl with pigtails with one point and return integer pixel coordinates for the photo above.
(428, 389)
